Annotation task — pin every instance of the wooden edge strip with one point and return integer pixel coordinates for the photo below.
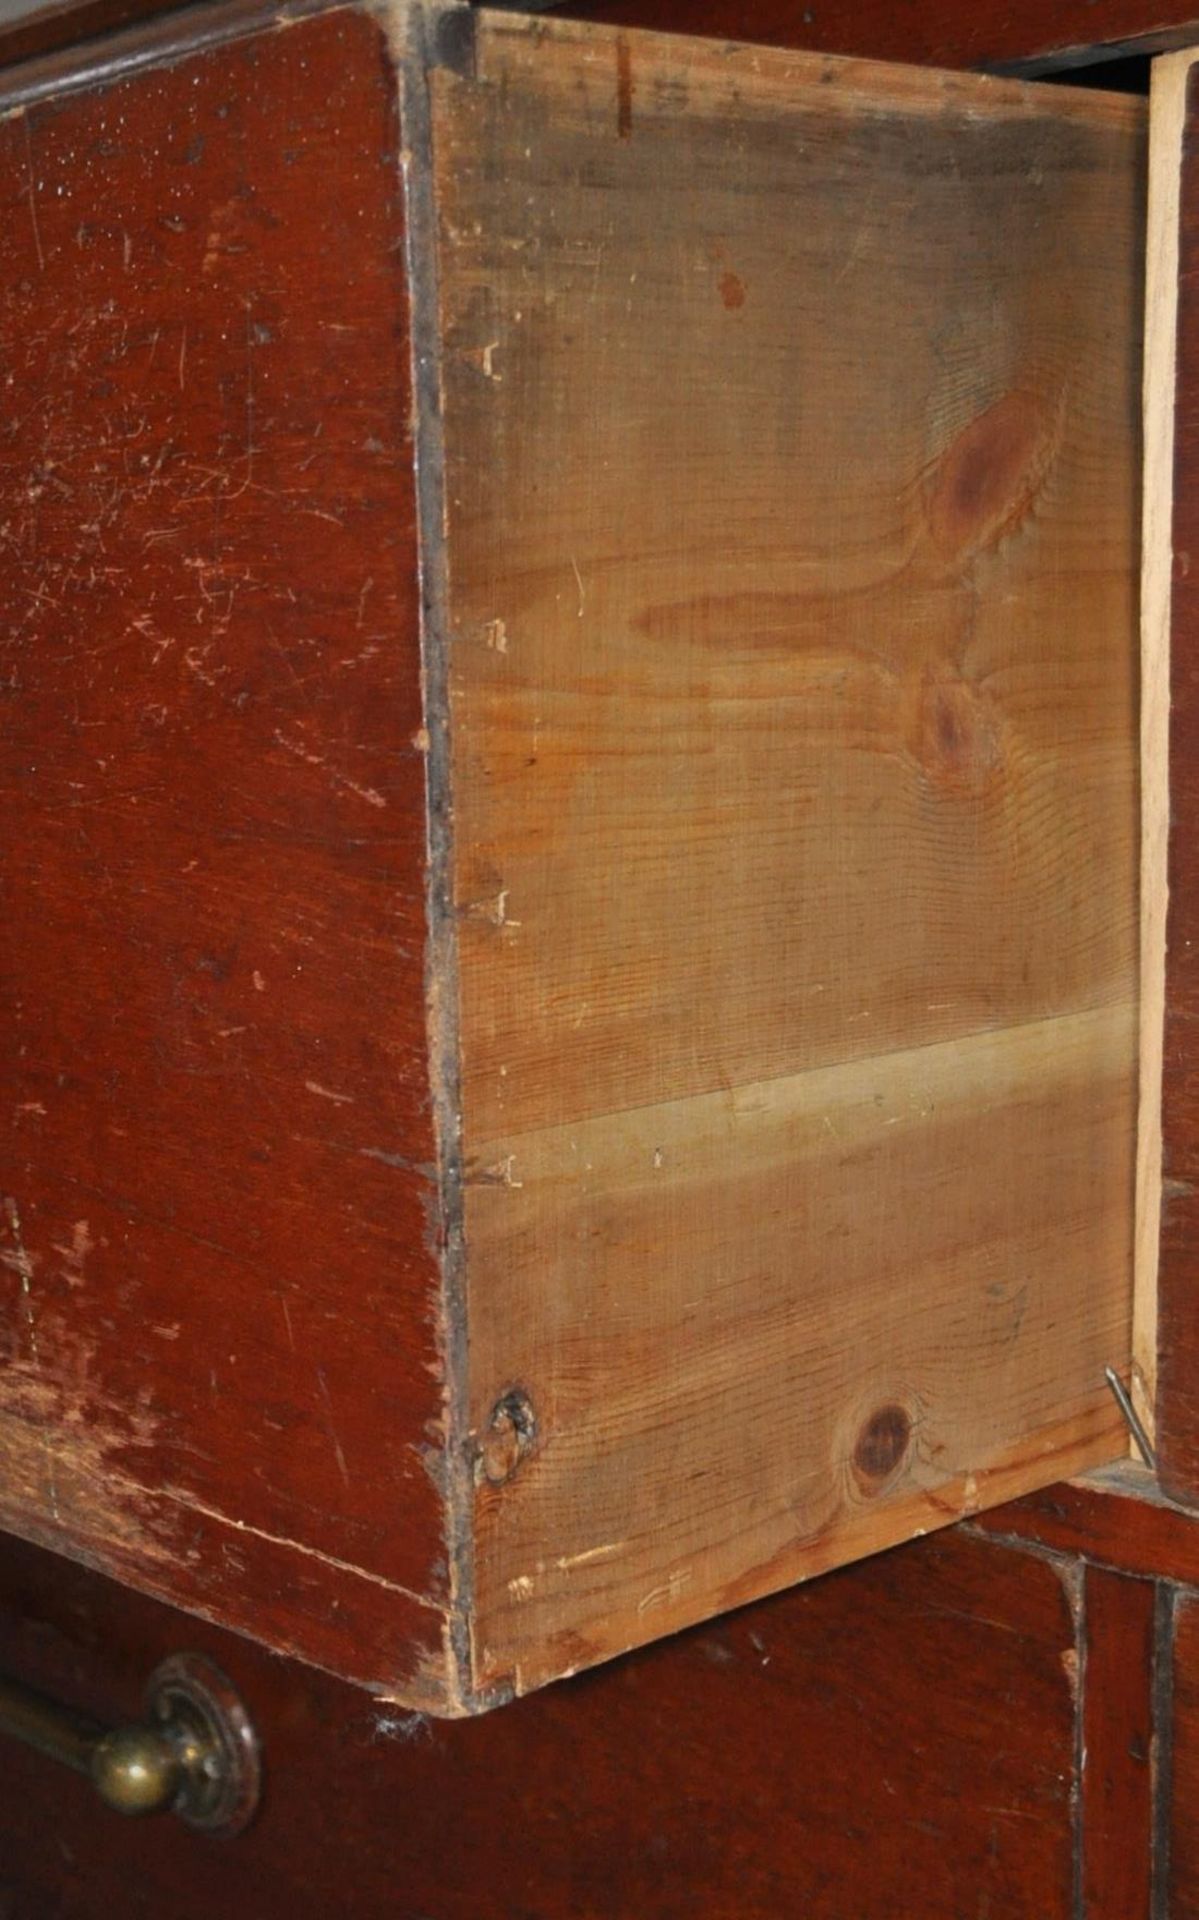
(787, 76)
(1167, 123)
(1115, 1517)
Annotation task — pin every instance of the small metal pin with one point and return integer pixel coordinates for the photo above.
(1124, 1402)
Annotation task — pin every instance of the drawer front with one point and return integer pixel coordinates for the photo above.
(220, 1354)
(568, 951)
(805, 1755)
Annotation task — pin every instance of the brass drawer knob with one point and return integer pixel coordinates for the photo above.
(195, 1753)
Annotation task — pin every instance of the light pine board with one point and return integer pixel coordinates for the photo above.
(1166, 127)
(791, 415)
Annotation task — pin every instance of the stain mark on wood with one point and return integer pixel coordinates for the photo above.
(624, 87)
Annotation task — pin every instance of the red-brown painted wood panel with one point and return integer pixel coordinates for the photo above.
(1183, 1823)
(897, 1739)
(1118, 1519)
(218, 1229)
(1118, 1746)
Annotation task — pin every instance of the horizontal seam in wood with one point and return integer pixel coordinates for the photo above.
(974, 1036)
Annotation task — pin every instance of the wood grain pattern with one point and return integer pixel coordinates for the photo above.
(898, 1739)
(1118, 1745)
(794, 694)
(221, 1365)
(1178, 1283)
(828, 1419)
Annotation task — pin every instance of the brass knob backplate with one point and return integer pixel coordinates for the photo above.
(197, 1711)
(195, 1753)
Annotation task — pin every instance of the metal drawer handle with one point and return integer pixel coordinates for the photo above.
(195, 1752)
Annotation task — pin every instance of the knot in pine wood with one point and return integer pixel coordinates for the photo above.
(882, 1446)
(509, 1435)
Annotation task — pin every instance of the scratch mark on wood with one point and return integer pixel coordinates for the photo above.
(331, 1427)
(398, 1160)
(31, 195)
(327, 1093)
(569, 1561)
(74, 1257)
(369, 794)
(21, 1262)
(675, 1583)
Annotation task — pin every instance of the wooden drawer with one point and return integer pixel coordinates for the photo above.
(730, 1774)
(570, 766)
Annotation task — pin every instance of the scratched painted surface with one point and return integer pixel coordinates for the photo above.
(220, 1365)
(897, 1742)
